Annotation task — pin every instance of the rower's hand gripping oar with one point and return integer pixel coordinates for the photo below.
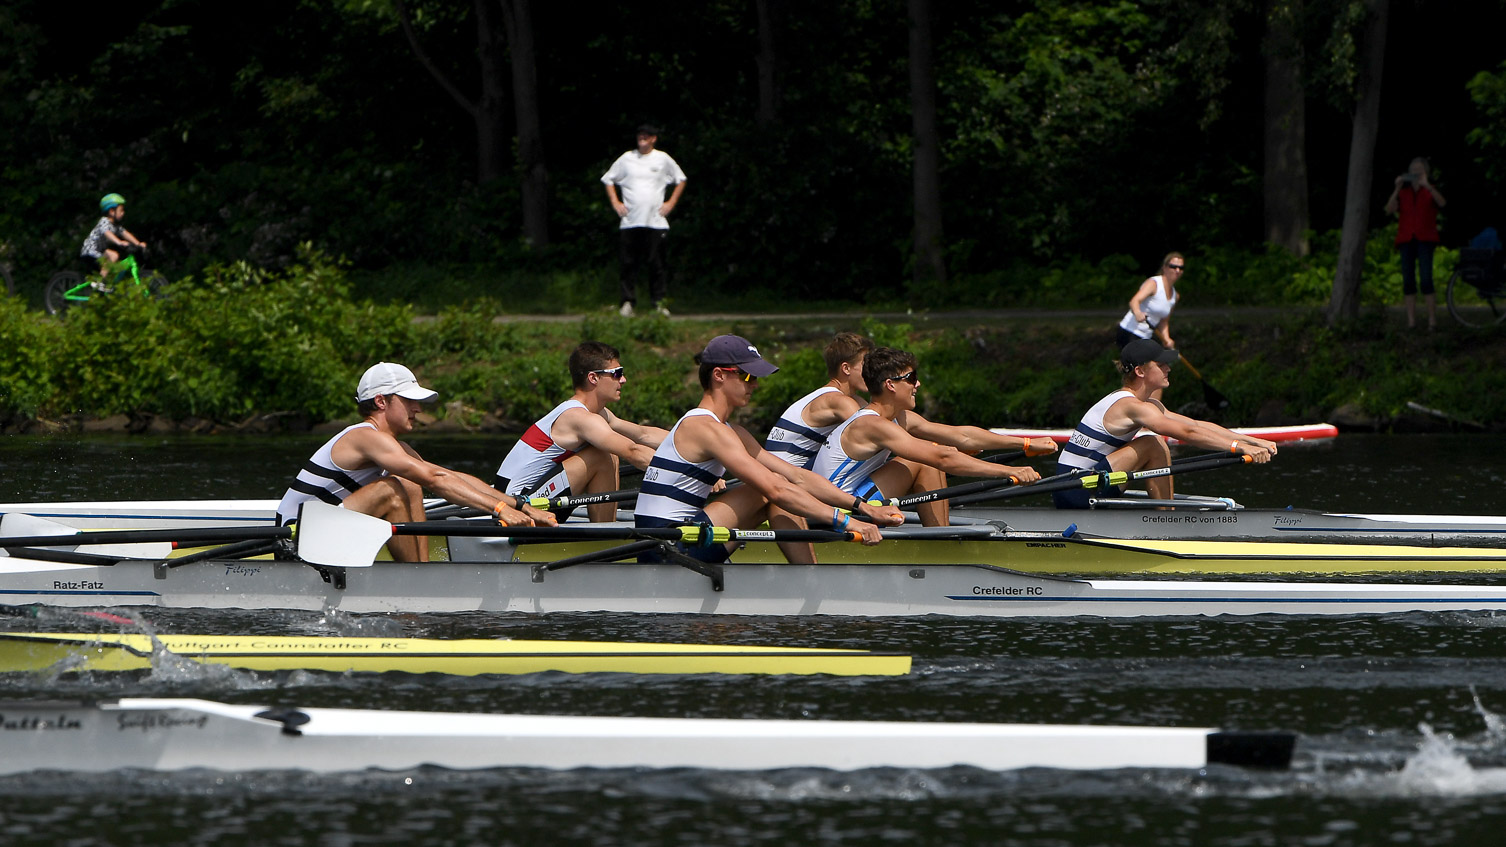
(546, 504)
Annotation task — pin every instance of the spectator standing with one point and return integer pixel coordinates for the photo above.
(642, 174)
(1416, 201)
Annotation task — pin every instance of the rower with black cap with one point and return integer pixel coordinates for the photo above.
(1108, 437)
(703, 446)
(365, 468)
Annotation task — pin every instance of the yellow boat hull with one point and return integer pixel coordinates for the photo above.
(78, 652)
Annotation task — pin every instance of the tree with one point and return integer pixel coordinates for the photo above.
(1285, 166)
(533, 174)
(768, 63)
(488, 108)
(930, 264)
(1345, 302)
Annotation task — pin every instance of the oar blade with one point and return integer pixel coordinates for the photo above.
(340, 538)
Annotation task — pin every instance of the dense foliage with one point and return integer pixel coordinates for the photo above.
(1076, 135)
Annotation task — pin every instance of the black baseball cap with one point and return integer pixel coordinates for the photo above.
(734, 351)
(1144, 350)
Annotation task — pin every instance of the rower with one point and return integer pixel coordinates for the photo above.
(365, 468)
(887, 449)
(704, 445)
(803, 427)
(1109, 437)
(576, 447)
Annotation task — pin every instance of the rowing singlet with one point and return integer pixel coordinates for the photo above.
(1157, 307)
(793, 441)
(674, 489)
(844, 471)
(1091, 442)
(320, 478)
(535, 455)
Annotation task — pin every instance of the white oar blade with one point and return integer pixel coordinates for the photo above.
(340, 538)
(17, 525)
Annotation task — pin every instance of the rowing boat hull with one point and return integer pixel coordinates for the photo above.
(748, 589)
(170, 735)
(79, 652)
(1082, 556)
(1297, 432)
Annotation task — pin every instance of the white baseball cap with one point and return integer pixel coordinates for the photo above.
(392, 378)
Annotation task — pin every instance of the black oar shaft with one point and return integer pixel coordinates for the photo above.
(184, 537)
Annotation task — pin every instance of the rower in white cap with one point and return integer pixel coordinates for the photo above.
(366, 469)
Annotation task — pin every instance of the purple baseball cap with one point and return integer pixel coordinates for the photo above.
(735, 351)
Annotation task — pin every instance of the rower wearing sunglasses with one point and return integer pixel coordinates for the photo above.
(575, 449)
(704, 445)
(888, 450)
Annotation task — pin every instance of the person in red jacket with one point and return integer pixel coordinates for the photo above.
(1416, 201)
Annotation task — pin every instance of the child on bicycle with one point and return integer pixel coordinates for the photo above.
(108, 241)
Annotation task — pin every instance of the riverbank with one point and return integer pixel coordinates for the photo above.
(496, 373)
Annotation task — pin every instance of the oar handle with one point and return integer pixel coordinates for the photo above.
(582, 500)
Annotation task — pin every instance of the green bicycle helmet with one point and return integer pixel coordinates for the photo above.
(110, 201)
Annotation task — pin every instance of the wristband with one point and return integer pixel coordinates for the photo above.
(521, 502)
(857, 504)
(834, 514)
(1234, 447)
(846, 519)
(497, 511)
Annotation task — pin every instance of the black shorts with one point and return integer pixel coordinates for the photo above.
(1077, 498)
(713, 554)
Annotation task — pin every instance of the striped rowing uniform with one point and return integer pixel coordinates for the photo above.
(1091, 442)
(1088, 449)
(793, 441)
(845, 472)
(321, 479)
(674, 490)
(535, 458)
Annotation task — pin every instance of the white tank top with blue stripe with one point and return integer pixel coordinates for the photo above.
(791, 439)
(321, 479)
(1091, 441)
(844, 471)
(674, 489)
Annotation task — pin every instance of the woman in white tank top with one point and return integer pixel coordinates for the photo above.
(1149, 314)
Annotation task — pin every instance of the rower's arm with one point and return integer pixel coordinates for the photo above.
(899, 441)
(734, 447)
(973, 439)
(830, 409)
(1206, 434)
(822, 488)
(649, 436)
(584, 428)
(400, 460)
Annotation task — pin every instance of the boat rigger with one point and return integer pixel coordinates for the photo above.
(177, 734)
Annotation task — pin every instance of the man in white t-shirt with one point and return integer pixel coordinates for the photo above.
(642, 174)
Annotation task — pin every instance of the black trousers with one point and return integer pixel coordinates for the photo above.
(637, 247)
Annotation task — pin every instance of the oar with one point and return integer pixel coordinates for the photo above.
(176, 537)
(544, 503)
(1212, 396)
(1076, 479)
(335, 537)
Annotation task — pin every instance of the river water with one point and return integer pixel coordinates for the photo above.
(1401, 739)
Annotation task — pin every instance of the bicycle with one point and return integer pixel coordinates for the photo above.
(70, 288)
(1477, 289)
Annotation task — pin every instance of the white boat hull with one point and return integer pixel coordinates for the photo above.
(170, 735)
(748, 589)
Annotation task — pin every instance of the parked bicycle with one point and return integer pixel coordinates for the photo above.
(1477, 289)
(71, 288)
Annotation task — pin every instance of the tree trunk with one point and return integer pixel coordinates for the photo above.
(534, 175)
(491, 113)
(768, 64)
(929, 262)
(488, 110)
(1285, 179)
(1345, 304)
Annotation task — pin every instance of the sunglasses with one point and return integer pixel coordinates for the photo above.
(1176, 267)
(615, 373)
(747, 377)
(913, 377)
